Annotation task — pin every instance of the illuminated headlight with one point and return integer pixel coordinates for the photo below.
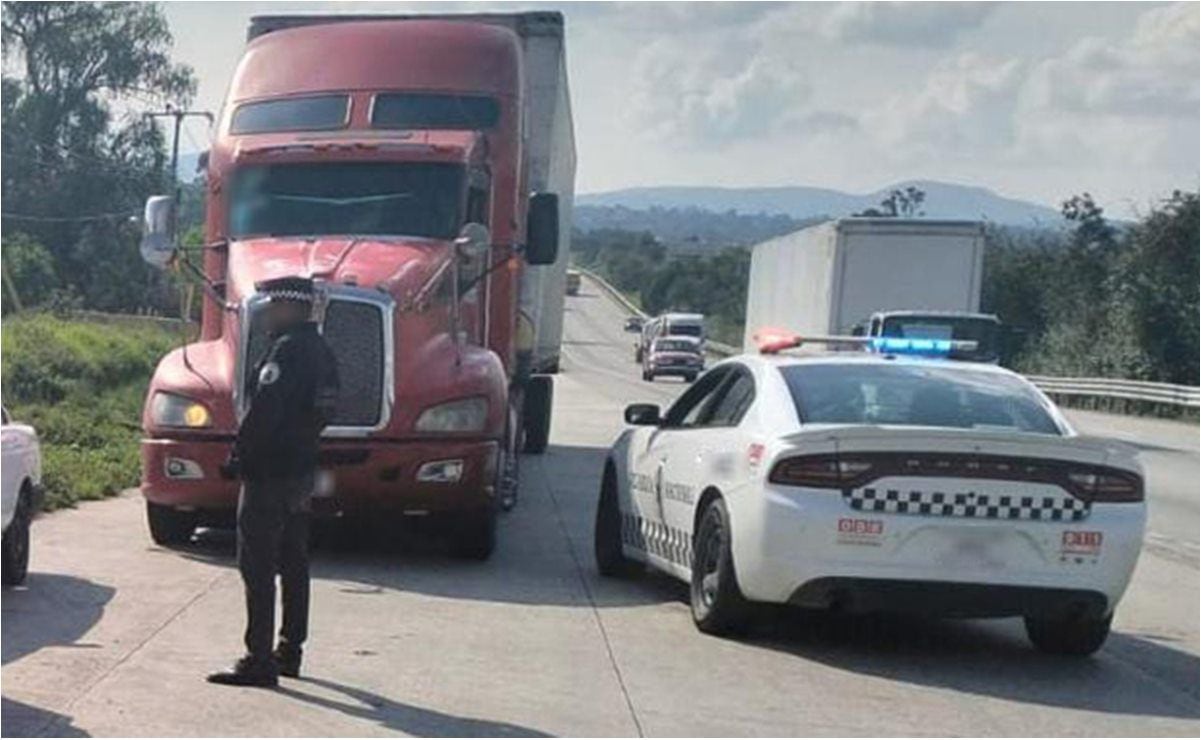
(464, 415)
(170, 410)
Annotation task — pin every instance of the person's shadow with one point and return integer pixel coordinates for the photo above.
(404, 718)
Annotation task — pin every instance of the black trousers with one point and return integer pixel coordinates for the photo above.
(273, 537)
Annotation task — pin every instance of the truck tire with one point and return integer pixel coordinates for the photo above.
(14, 552)
(1080, 636)
(638, 355)
(611, 562)
(169, 526)
(718, 606)
(473, 536)
(535, 418)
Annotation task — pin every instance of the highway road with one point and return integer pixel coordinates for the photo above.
(113, 635)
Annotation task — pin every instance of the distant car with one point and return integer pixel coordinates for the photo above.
(21, 496)
(669, 325)
(633, 324)
(867, 482)
(679, 356)
(984, 330)
(573, 282)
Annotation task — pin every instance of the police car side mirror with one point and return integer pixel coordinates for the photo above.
(542, 229)
(158, 231)
(643, 414)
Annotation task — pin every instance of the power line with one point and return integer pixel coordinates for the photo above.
(62, 219)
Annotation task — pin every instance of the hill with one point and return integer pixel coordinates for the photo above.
(943, 200)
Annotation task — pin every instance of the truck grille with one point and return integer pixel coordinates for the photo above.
(354, 331)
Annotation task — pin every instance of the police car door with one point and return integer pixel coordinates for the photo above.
(669, 466)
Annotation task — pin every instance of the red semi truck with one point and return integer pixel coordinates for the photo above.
(420, 169)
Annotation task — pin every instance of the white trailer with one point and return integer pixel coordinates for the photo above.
(827, 278)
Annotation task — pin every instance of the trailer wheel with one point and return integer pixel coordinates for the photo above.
(169, 526)
(539, 393)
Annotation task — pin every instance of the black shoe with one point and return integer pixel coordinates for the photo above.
(287, 659)
(247, 672)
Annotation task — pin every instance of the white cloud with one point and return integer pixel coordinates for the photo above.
(903, 24)
(1151, 72)
(687, 95)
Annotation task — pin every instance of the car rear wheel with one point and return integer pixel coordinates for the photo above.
(718, 606)
(168, 525)
(1068, 636)
(14, 553)
(610, 560)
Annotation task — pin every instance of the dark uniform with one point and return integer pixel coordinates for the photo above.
(292, 400)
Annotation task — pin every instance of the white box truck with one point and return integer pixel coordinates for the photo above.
(830, 278)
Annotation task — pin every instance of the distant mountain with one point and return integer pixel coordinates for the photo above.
(943, 200)
(688, 229)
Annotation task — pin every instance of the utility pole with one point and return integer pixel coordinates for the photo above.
(178, 114)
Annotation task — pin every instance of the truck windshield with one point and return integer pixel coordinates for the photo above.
(685, 330)
(343, 198)
(981, 330)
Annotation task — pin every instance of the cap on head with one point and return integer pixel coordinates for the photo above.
(295, 289)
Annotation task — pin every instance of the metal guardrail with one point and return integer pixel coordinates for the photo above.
(1133, 390)
(1106, 388)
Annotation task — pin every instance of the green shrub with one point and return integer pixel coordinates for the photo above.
(81, 385)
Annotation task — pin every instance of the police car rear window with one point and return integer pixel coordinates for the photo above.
(434, 111)
(918, 395)
(316, 113)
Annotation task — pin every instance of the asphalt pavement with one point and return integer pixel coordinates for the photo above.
(113, 635)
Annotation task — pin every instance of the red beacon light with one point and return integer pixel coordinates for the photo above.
(772, 341)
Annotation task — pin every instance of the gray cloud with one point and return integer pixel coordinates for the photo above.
(903, 24)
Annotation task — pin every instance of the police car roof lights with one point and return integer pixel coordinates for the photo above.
(772, 341)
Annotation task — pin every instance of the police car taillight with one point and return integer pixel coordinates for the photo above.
(819, 471)
(1106, 486)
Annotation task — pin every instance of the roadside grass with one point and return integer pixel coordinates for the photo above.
(81, 384)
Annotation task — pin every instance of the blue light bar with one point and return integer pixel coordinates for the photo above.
(911, 346)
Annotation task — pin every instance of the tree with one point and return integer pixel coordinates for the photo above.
(899, 203)
(79, 159)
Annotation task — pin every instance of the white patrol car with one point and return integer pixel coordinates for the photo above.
(875, 482)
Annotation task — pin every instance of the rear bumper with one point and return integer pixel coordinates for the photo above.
(948, 599)
(368, 475)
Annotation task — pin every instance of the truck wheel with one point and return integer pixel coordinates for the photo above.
(473, 536)
(610, 560)
(539, 393)
(638, 355)
(718, 606)
(14, 552)
(169, 526)
(1079, 636)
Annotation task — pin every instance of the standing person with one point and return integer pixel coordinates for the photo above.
(275, 455)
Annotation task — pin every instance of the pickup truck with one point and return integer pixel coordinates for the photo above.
(21, 496)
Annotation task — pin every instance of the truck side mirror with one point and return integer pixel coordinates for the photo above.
(158, 231)
(542, 229)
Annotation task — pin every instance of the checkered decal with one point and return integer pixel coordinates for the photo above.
(979, 506)
(657, 539)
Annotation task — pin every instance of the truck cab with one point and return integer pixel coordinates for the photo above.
(388, 159)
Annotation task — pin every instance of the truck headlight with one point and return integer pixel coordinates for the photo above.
(463, 415)
(170, 410)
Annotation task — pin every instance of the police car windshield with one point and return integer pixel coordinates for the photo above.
(919, 395)
(347, 198)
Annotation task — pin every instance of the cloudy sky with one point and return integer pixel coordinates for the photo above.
(1033, 100)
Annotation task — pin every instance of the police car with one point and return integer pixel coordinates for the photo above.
(875, 481)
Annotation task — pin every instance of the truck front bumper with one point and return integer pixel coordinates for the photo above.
(363, 475)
